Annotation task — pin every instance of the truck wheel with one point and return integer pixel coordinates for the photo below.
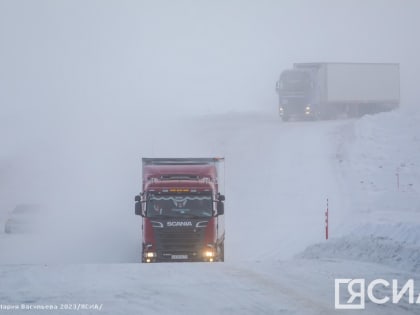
(142, 254)
(222, 252)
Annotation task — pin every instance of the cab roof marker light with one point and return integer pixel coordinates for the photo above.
(179, 190)
(205, 180)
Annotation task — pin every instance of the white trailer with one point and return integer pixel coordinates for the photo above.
(329, 90)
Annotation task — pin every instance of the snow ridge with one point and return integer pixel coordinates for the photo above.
(368, 248)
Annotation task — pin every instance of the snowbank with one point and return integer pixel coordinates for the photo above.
(369, 248)
(379, 173)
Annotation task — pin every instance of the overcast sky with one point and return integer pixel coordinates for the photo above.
(82, 56)
(74, 70)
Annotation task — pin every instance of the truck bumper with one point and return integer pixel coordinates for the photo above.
(207, 255)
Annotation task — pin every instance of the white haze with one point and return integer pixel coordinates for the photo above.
(88, 87)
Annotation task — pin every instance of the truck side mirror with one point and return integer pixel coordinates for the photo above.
(221, 197)
(220, 208)
(137, 208)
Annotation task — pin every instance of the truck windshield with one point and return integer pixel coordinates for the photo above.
(200, 206)
(294, 81)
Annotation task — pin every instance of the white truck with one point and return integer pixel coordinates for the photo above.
(334, 90)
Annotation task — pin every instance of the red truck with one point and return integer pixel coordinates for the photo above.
(182, 210)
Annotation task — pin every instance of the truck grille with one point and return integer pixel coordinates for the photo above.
(179, 240)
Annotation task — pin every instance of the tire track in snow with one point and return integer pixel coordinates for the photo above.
(291, 301)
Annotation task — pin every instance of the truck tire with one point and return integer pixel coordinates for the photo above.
(142, 254)
(222, 252)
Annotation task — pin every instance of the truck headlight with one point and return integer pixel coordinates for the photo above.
(281, 111)
(150, 255)
(307, 110)
(208, 253)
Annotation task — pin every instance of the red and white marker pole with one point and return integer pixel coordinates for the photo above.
(326, 222)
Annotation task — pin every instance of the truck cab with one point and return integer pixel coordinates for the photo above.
(182, 210)
(296, 94)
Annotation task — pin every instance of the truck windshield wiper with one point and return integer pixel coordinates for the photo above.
(194, 216)
(161, 216)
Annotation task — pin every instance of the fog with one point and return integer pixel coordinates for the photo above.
(88, 87)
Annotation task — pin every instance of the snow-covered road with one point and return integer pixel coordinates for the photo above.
(277, 287)
(278, 177)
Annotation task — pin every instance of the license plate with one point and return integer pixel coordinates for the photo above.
(179, 256)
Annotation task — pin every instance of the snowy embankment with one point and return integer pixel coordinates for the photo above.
(379, 165)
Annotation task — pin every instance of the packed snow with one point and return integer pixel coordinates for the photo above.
(278, 177)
